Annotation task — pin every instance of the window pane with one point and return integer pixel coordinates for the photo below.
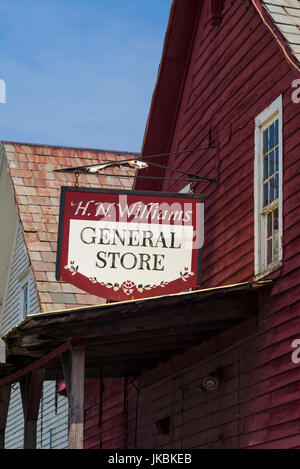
(269, 225)
(269, 251)
(272, 191)
(272, 236)
(277, 159)
(275, 247)
(277, 186)
(25, 294)
(275, 220)
(271, 136)
(271, 163)
(266, 194)
(266, 141)
(266, 174)
(276, 133)
(25, 300)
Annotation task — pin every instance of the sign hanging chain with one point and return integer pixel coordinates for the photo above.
(76, 183)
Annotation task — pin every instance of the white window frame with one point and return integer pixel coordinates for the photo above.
(261, 268)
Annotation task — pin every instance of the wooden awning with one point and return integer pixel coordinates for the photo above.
(121, 339)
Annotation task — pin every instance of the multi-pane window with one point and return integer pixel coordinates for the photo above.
(24, 289)
(25, 301)
(271, 187)
(272, 236)
(271, 162)
(267, 184)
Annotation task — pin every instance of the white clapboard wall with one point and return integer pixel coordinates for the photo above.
(52, 430)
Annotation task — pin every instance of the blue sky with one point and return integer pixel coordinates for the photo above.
(79, 72)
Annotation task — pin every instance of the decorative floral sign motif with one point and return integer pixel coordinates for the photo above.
(128, 286)
(186, 274)
(72, 268)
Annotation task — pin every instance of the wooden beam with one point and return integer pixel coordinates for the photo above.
(76, 398)
(4, 403)
(40, 363)
(74, 371)
(121, 368)
(31, 388)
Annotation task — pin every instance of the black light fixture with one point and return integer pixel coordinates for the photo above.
(211, 381)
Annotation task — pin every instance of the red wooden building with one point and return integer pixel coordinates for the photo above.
(213, 368)
(227, 84)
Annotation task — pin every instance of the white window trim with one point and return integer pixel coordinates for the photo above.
(261, 270)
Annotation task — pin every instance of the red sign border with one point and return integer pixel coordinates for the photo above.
(65, 189)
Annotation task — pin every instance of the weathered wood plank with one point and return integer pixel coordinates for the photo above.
(74, 369)
(41, 362)
(179, 313)
(31, 388)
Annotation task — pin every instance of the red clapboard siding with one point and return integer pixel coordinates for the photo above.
(227, 85)
(236, 70)
(91, 414)
(104, 414)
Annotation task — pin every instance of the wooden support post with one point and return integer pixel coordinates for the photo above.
(73, 362)
(66, 360)
(4, 403)
(31, 389)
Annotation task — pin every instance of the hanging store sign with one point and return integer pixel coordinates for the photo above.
(123, 245)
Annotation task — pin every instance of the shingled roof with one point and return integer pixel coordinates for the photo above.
(37, 195)
(285, 15)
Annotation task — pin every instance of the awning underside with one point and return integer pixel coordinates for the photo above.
(121, 339)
